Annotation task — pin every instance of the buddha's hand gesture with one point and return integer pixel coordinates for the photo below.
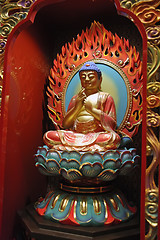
(88, 106)
(80, 99)
(96, 113)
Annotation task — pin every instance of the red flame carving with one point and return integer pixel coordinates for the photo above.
(96, 43)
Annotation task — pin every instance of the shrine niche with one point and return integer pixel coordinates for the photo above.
(88, 157)
(74, 174)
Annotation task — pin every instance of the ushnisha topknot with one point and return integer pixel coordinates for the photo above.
(91, 66)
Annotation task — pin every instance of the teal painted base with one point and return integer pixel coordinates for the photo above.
(85, 209)
(73, 165)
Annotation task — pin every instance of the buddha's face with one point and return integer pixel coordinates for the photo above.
(90, 80)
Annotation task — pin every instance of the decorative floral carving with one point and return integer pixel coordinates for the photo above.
(153, 65)
(2, 45)
(128, 3)
(153, 88)
(153, 119)
(153, 34)
(151, 202)
(148, 150)
(151, 207)
(25, 3)
(147, 13)
(9, 19)
(97, 54)
(11, 13)
(153, 101)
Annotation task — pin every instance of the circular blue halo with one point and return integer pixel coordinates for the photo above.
(112, 82)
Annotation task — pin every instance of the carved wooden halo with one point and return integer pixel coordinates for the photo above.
(98, 45)
(113, 66)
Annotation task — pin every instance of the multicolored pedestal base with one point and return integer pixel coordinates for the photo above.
(85, 196)
(85, 209)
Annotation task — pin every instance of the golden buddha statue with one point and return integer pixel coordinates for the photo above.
(90, 121)
(82, 149)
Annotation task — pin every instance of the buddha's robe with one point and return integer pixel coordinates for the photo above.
(88, 134)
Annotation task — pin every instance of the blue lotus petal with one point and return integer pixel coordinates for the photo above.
(107, 175)
(112, 164)
(91, 170)
(118, 207)
(69, 164)
(91, 158)
(83, 217)
(111, 154)
(71, 155)
(100, 216)
(89, 210)
(42, 169)
(42, 150)
(53, 166)
(74, 165)
(126, 156)
(126, 168)
(60, 211)
(41, 204)
(136, 159)
(54, 155)
(39, 158)
(71, 175)
(133, 151)
(125, 141)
